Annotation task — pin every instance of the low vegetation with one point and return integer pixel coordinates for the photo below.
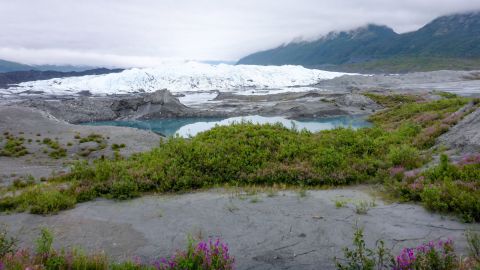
(446, 187)
(440, 255)
(13, 146)
(203, 255)
(98, 139)
(215, 255)
(57, 151)
(411, 64)
(116, 147)
(248, 154)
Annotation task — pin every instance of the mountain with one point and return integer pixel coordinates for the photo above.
(451, 41)
(6, 66)
(9, 66)
(16, 77)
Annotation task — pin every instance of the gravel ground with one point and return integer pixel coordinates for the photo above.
(36, 125)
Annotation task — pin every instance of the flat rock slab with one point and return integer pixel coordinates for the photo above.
(285, 231)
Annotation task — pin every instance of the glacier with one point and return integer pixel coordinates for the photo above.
(187, 77)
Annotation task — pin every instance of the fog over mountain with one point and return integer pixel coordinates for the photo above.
(448, 42)
(148, 32)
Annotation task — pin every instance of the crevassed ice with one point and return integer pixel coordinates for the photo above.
(189, 76)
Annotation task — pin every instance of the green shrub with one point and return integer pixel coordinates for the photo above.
(405, 156)
(447, 95)
(47, 201)
(433, 199)
(445, 188)
(439, 255)
(8, 244)
(24, 182)
(14, 147)
(124, 189)
(473, 240)
(44, 242)
(85, 193)
(93, 137)
(57, 150)
(116, 147)
(58, 153)
(363, 258)
(393, 100)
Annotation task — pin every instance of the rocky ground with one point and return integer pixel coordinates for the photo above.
(464, 138)
(461, 82)
(38, 128)
(274, 230)
(162, 104)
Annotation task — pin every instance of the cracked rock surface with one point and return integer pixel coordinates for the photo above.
(285, 231)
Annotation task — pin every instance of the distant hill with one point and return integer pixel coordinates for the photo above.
(9, 66)
(448, 42)
(6, 66)
(15, 77)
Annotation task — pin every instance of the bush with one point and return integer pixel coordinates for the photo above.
(438, 256)
(405, 156)
(206, 255)
(363, 258)
(124, 189)
(14, 147)
(445, 188)
(116, 147)
(47, 201)
(85, 193)
(44, 242)
(8, 244)
(473, 240)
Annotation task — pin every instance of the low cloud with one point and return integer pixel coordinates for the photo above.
(146, 32)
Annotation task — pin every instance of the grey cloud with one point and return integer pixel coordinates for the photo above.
(142, 32)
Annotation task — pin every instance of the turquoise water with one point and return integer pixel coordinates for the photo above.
(185, 127)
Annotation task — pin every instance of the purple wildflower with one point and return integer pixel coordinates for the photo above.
(394, 171)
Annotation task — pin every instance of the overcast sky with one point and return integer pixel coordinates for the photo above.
(146, 32)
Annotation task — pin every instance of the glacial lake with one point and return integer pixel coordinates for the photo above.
(186, 127)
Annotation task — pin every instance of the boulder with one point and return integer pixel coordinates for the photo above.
(159, 104)
(464, 137)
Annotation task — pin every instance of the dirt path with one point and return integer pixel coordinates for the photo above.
(285, 231)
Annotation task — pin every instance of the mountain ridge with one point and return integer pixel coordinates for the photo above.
(454, 36)
(11, 66)
(16, 77)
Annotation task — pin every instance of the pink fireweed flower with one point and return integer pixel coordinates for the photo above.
(411, 173)
(417, 185)
(394, 171)
(470, 159)
(405, 260)
(452, 118)
(137, 260)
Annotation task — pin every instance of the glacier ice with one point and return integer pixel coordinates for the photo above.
(186, 77)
